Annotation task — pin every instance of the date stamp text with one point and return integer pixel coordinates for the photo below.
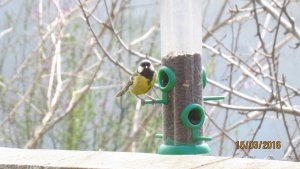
(258, 144)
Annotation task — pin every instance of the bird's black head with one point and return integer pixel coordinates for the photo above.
(146, 69)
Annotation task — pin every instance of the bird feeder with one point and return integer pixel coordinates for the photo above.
(181, 79)
(191, 118)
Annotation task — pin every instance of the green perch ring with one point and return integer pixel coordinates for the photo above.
(166, 81)
(192, 116)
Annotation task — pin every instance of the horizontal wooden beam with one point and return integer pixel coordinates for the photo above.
(24, 158)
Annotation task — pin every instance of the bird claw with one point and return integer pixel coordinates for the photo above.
(153, 101)
(143, 102)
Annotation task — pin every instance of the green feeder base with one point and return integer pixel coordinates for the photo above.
(183, 149)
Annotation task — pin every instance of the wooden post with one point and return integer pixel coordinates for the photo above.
(54, 159)
(181, 48)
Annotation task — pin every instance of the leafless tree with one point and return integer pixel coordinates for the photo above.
(62, 62)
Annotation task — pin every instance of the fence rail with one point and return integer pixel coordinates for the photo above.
(50, 159)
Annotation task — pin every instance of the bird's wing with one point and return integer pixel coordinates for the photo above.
(128, 84)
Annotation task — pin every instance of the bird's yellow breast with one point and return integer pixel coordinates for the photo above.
(141, 85)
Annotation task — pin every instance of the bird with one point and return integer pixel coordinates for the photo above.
(142, 80)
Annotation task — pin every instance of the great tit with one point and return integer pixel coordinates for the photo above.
(141, 81)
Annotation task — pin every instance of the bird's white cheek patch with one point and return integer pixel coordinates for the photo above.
(152, 68)
(140, 69)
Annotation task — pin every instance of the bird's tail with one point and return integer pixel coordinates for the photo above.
(124, 90)
(121, 93)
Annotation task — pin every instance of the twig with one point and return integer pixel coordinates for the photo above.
(275, 67)
(100, 43)
(223, 132)
(137, 133)
(277, 16)
(275, 108)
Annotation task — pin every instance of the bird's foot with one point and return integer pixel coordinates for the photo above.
(153, 101)
(143, 102)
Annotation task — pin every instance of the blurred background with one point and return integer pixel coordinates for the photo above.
(62, 62)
